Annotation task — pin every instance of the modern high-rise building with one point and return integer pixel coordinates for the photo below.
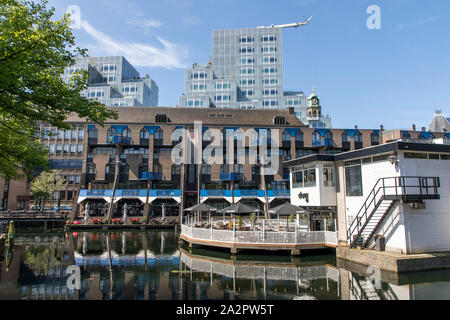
(245, 72)
(115, 82)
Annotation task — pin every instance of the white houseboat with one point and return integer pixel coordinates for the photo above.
(393, 197)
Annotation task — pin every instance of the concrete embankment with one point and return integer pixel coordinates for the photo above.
(395, 262)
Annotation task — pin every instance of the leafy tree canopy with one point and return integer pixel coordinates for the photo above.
(47, 183)
(34, 51)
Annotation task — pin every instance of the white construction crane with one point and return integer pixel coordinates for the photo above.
(290, 25)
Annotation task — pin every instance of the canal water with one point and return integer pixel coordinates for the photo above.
(152, 265)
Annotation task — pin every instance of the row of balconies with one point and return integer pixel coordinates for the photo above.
(177, 193)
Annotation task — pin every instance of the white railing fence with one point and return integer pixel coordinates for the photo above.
(260, 237)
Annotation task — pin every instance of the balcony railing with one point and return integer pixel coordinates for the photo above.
(233, 176)
(150, 176)
(323, 143)
(118, 139)
(260, 237)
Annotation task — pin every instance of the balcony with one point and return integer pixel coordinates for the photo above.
(153, 176)
(215, 193)
(323, 143)
(249, 193)
(165, 193)
(231, 176)
(118, 139)
(279, 193)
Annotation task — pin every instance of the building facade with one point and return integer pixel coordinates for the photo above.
(141, 143)
(115, 82)
(245, 72)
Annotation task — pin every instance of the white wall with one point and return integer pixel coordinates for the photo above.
(319, 195)
(428, 230)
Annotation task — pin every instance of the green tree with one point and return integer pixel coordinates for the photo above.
(34, 51)
(47, 183)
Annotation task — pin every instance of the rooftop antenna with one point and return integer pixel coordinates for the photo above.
(290, 25)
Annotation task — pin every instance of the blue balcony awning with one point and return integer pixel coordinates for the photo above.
(119, 128)
(292, 131)
(152, 129)
(323, 132)
(351, 132)
(426, 135)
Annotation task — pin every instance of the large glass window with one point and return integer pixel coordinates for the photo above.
(310, 176)
(297, 178)
(353, 181)
(328, 175)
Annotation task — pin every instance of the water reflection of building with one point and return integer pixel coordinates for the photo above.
(169, 274)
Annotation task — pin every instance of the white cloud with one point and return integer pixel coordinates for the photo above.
(149, 23)
(169, 56)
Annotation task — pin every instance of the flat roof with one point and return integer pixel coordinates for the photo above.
(369, 151)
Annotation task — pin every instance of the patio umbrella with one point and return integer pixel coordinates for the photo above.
(163, 211)
(239, 208)
(125, 212)
(86, 215)
(203, 207)
(287, 210)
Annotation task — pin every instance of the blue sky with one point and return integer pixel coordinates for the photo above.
(395, 76)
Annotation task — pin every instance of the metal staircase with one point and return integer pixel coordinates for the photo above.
(381, 201)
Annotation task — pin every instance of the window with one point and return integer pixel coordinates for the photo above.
(279, 121)
(272, 92)
(193, 103)
(268, 49)
(158, 134)
(199, 75)
(199, 87)
(129, 89)
(316, 138)
(345, 137)
(269, 70)
(269, 60)
(73, 148)
(92, 133)
(112, 132)
(328, 175)
(410, 155)
(353, 180)
(245, 61)
(246, 39)
(145, 134)
(60, 134)
(246, 82)
(58, 148)
(80, 148)
(358, 137)
(246, 50)
(374, 138)
(222, 86)
(297, 178)
(74, 134)
(67, 134)
(96, 93)
(247, 71)
(80, 134)
(309, 176)
(66, 148)
(109, 68)
(299, 137)
(268, 39)
(71, 179)
(269, 81)
(52, 148)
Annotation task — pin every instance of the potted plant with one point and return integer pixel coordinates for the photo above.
(240, 223)
(134, 220)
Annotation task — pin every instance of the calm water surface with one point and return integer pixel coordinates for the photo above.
(152, 265)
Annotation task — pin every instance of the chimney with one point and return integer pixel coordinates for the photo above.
(381, 133)
(413, 127)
